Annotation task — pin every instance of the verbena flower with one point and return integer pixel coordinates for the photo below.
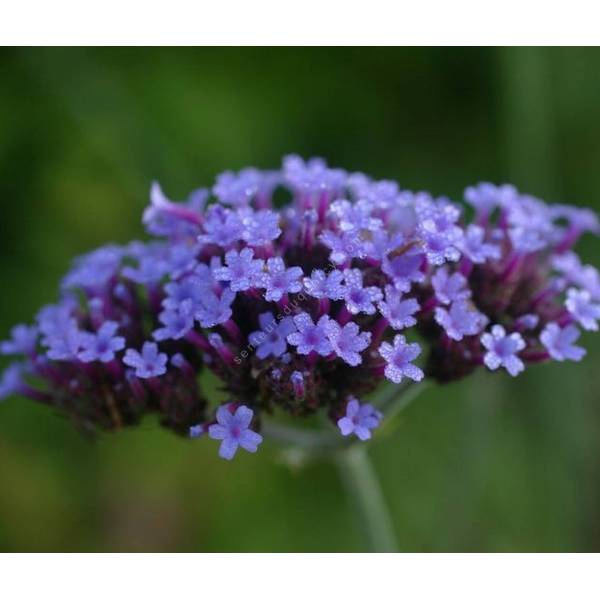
(149, 363)
(271, 340)
(298, 308)
(359, 419)
(502, 350)
(233, 429)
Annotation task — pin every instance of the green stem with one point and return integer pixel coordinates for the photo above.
(366, 495)
(356, 469)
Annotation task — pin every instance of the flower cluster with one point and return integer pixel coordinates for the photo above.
(301, 290)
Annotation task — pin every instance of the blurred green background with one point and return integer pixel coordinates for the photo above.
(487, 464)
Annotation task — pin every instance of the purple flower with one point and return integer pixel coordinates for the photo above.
(177, 322)
(343, 247)
(242, 270)
(197, 431)
(297, 381)
(502, 350)
(404, 270)
(398, 312)
(485, 197)
(311, 176)
(449, 288)
(181, 259)
(222, 227)
(65, 343)
(579, 304)
(399, 357)
(475, 248)
(239, 189)
(527, 321)
(215, 309)
(584, 276)
(261, 227)
(23, 340)
(560, 342)
(271, 340)
(440, 243)
(310, 337)
(234, 431)
(167, 218)
(325, 285)
(580, 219)
(279, 281)
(11, 381)
(150, 363)
(461, 320)
(358, 298)
(93, 270)
(359, 419)
(347, 341)
(101, 345)
(190, 289)
(355, 217)
(149, 270)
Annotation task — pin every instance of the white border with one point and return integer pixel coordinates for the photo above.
(299, 22)
(300, 576)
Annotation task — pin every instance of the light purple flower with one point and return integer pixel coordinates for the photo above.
(11, 381)
(23, 340)
(585, 276)
(440, 246)
(475, 248)
(261, 227)
(325, 285)
(93, 270)
(359, 299)
(449, 288)
(312, 176)
(149, 270)
(344, 247)
(167, 218)
(65, 343)
(398, 312)
(101, 345)
(197, 431)
(243, 271)
(190, 288)
(181, 259)
(297, 381)
(485, 197)
(310, 337)
(234, 431)
(560, 342)
(360, 419)
(527, 321)
(347, 341)
(222, 227)
(215, 309)
(271, 339)
(461, 320)
(502, 350)
(399, 357)
(579, 304)
(355, 216)
(150, 363)
(239, 189)
(279, 281)
(176, 322)
(404, 270)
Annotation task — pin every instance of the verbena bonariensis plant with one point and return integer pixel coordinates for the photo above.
(301, 290)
